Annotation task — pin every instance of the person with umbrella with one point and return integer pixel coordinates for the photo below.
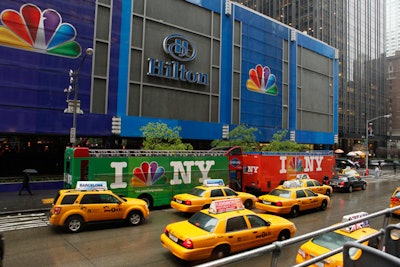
(25, 182)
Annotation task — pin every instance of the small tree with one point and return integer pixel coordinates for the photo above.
(239, 136)
(278, 144)
(158, 136)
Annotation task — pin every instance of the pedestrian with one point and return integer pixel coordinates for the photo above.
(25, 184)
(377, 171)
(394, 167)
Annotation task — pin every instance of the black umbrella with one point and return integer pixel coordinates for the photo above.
(30, 171)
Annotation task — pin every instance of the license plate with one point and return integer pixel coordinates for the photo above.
(267, 202)
(173, 238)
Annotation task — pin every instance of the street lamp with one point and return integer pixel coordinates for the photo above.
(366, 138)
(75, 103)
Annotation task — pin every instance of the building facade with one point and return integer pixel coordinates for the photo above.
(357, 30)
(216, 64)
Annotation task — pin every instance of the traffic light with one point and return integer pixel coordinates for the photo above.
(116, 125)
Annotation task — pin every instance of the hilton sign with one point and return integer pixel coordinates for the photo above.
(181, 49)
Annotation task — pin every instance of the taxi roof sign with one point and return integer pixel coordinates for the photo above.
(291, 184)
(213, 182)
(91, 185)
(225, 205)
(356, 226)
(303, 176)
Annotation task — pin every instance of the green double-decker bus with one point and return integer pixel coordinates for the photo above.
(154, 176)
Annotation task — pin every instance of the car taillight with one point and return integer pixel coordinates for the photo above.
(279, 204)
(57, 210)
(165, 230)
(342, 183)
(188, 202)
(394, 199)
(188, 243)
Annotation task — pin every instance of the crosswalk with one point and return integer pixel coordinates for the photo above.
(23, 221)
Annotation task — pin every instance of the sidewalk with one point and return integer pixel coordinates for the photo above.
(40, 201)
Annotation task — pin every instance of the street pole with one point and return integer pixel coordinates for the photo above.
(74, 76)
(366, 138)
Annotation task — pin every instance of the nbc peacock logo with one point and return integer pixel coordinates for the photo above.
(38, 31)
(261, 80)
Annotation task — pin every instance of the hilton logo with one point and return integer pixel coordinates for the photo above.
(180, 49)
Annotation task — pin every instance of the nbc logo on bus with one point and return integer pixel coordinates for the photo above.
(147, 174)
(38, 31)
(261, 80)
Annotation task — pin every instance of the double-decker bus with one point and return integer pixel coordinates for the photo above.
(154, 176)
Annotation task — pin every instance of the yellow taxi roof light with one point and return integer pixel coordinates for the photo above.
(225, 205)
(302, 176)
(91, 185)
(356, 226)
(291, 184)
(213, 182)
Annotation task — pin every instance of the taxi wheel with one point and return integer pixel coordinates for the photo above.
(74, 223)
(294, 212)
(135, 218)
(248, 204)
(283, 235)
(220, 252)
(324, 204)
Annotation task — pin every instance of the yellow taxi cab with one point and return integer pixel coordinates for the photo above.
(350, 172)
(316, 186)
(290, 198)
(327, 242)
(201, 197)
(225, 227)
(91, 202)
(395, 200)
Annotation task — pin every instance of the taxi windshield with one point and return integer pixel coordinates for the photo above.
(197, 192)
(203, 221)
(280, 193)
(332, 240)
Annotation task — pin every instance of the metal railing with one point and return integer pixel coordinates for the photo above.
(99, 153)
(276, 247)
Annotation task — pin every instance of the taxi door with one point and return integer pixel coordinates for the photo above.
(313, 201)
(315, 188)
(238, 234)
(90, 204)
(111, 207)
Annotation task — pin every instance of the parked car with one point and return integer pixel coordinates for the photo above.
(225, 227)
(291, 198)
(347, 183)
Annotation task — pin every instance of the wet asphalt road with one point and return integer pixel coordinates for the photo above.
(120, 245)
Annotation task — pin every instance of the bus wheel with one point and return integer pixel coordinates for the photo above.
(148, 199)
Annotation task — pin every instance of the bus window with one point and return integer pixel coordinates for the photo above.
(84, 170)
